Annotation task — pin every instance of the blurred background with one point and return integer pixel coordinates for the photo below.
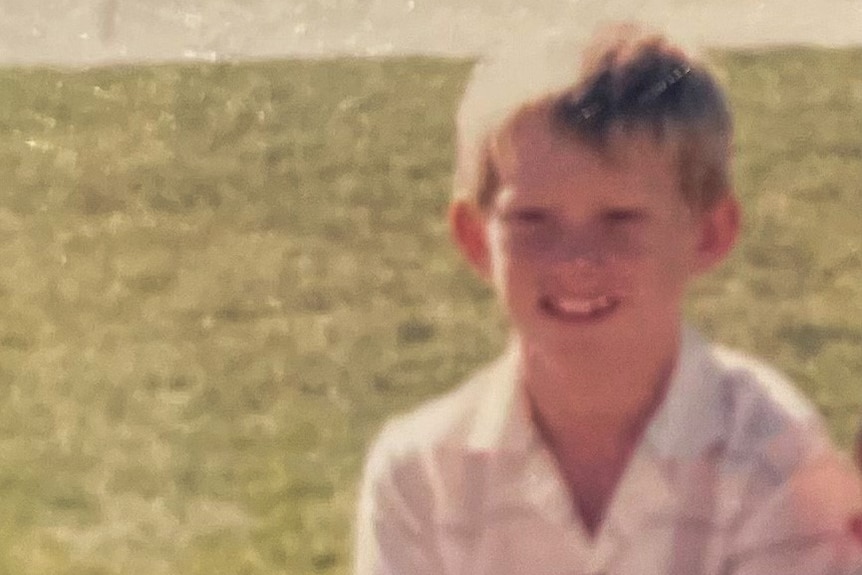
(224, 259)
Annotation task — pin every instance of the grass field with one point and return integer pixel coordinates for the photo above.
(217, 280)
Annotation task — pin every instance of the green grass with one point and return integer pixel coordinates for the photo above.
(217, 281)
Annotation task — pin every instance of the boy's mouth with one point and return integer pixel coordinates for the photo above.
(579, 309)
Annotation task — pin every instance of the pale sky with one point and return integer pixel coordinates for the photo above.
(95, 31)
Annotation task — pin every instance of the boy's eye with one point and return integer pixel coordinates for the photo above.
(623, 215)
(527, 216)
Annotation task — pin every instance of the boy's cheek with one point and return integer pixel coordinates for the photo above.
(856, 528)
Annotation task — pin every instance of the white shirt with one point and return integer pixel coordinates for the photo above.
(735, 475)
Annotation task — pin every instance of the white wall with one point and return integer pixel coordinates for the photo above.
(96, 31)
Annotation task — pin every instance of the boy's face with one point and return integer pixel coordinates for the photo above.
(588, 249)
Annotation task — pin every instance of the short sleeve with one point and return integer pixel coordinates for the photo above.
(802, 526)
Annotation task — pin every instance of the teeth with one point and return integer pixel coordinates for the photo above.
(583, 306)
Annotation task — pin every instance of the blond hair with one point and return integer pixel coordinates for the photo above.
(626, 79)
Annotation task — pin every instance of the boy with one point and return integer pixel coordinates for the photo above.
(610, 437)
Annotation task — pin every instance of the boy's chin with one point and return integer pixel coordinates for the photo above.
(581, 337)
(610, 330)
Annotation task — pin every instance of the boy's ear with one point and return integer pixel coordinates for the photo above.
(720, 227)
(467, 225)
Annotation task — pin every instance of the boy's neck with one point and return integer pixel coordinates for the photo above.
(599, 403)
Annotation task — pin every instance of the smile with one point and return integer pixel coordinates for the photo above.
(578, 309)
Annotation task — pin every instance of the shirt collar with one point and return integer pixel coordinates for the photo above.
(694, 413)
(691, 418)
(502, 422)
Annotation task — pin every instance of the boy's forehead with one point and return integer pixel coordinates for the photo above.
(530, 144)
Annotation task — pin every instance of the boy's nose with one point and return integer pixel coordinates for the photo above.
(583, 263)
(582, 251)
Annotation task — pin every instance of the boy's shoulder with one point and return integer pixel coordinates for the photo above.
(780, 469)
(770, 423)
(443, 423)
(759, 385)
(727, 403)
